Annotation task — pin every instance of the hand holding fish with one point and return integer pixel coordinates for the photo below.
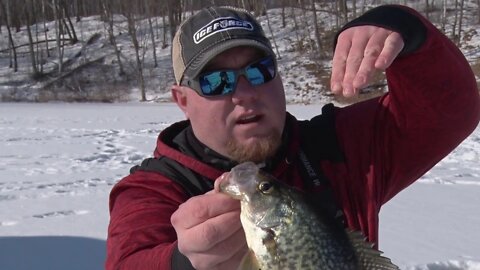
(360, 52)
(209, 231)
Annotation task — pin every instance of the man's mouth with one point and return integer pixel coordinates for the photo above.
(249, 119)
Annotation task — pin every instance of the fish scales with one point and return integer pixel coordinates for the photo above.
(284, 232)
(303, 242)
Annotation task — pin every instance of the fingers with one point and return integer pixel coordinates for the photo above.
(225, 255)
(201, 208)
(219, 181)
(370, 55)
(211, 232)
(393, 46)
(360, 52)
(339, 62)
(355, 59)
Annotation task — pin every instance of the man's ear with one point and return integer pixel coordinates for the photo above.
(179, 95)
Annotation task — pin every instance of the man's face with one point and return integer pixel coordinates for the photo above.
(245, 125)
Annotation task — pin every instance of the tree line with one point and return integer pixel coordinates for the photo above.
(143, 15)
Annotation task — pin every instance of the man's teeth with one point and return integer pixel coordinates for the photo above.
(248, 118)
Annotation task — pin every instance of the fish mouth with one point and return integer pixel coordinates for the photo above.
(231, 190)
(240, 181)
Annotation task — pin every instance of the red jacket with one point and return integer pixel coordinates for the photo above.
(388, 143)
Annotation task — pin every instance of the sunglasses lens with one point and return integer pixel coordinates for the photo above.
(217, 83)
(261, 72)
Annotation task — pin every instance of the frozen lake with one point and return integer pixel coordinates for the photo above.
(59, 161)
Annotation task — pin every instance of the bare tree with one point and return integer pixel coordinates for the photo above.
(257, 7)
(444, 15)
(164, 43)
(66, 18)
(284, 21)
(14, 7)
(478, 11)
(271, 31)
(460, 22)
(296, 26)
(457, 22)
(306, 25)
(319, 50)
(174, 15)
(354, 8)
(427, 9)
(58, 33)
(342, 11)
(13, 52)
(108, 14)
(28, 11)
(149, 6)
(132, 31)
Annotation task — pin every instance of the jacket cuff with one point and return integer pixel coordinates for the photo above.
(402, 20)
(180, 261)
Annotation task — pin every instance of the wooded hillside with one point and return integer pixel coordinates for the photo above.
(49, 42)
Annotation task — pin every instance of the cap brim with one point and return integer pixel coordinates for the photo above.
(202, 59)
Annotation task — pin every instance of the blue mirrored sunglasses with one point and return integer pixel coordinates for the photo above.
(224, 82)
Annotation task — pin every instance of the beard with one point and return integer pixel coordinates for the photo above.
(257, 151)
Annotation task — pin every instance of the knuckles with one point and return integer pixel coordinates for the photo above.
(209, 234)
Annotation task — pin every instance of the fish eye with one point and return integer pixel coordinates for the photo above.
(265, 187)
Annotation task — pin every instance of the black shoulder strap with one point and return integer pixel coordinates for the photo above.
(192, 182)
(319, 133)
(319, 142)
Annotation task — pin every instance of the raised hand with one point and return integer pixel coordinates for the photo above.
(359, 53)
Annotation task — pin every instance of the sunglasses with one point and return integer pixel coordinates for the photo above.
(223, 82)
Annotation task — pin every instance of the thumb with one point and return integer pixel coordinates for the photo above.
(218, 182)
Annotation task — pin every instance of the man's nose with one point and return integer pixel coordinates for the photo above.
(244, 91)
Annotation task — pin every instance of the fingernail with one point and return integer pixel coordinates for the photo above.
(336, 88)
(381, 64)
(348, 92)
(360, 81)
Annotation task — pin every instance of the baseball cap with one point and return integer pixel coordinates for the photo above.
(210, 32)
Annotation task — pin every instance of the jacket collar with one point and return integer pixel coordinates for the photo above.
(179, 143)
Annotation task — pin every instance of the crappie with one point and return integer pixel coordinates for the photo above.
(284, 232)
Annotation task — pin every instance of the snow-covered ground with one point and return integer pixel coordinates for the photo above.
(59, 161)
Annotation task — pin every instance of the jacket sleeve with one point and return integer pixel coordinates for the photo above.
(431, 107)
(140, 235)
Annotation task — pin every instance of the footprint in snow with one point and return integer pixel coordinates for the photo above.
(7, 223)
(61, 213)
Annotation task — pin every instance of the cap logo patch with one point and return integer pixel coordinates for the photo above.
(219, 25)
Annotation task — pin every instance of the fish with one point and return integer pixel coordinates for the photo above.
(284, 231)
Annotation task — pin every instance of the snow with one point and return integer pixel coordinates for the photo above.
(59, 161)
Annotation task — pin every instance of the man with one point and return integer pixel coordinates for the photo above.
(165, 215)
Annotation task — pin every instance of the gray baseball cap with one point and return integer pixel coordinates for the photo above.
(210, 32)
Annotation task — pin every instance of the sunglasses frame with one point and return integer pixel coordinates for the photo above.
(194, 83)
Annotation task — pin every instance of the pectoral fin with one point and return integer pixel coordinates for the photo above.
(249, 262)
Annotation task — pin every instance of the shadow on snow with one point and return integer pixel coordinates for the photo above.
(51, 253)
